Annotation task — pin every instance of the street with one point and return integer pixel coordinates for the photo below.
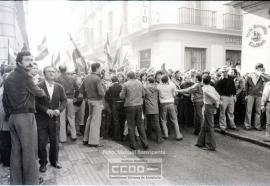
(234, 163)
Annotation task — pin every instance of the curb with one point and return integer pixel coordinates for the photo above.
(244, 138)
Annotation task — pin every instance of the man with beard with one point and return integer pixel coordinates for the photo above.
(19, 102)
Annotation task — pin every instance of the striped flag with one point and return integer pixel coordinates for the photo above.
(43, 50)
(57, 60)
(107, 50)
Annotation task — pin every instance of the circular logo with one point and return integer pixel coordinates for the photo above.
(256, 35)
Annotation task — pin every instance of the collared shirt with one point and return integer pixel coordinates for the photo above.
(50, 88)
(266, 94)
(210, 95)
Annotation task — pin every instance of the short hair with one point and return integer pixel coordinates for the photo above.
(131, 75)
(165, 79)
(114, 79)
(45, 68)
(20, 56)
(143, 74)
(151, 80)
(206, 79)
(259, 65)
(95, 66)
(62, 68)
(199, 77)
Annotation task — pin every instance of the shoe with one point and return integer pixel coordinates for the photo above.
(196, 133)
(235, 129)
(197, 145)
(222, 131)
(145, 147)
(210, 149)
(40, 180)
(56, 165)
(179, 139)
(266, 140)
(133, 148)
(73, 139)
(99, 145)
(165, 137)
(42, 168)
(258, 129)
(85, 142)
(160, 141)
(247, 128)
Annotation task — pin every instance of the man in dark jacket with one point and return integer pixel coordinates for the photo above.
(48, 120)
(19, 102)
(70, 87)
(254, 88)
(112, 96)
(133, 93)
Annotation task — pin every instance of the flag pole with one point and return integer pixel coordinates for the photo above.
(8, 53)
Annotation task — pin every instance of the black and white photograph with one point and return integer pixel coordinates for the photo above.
(134, 92)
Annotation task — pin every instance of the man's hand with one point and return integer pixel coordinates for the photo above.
(50, 113)
(56, 112)
(263, 108)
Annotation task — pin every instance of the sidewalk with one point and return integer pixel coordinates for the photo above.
(252, 136)
(82, 165)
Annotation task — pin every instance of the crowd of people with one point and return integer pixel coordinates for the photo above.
(38, 108)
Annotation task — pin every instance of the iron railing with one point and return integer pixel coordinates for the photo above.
(200, 17)
(232, 21)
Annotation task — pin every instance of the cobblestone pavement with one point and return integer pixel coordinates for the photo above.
(82, 165)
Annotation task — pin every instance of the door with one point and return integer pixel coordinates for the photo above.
(233, 57)
(195, 58)
(145, 58)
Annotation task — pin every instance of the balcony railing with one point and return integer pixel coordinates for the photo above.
(232, 21)
(194, 16)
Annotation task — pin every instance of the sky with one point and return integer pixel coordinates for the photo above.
(50, 19)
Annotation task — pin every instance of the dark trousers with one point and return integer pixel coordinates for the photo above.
(134, 119)
(153, 122)
(5, 147)
(206, 136)
(185, 111)
(198, 117)
(50, 133)
(106, 121)
(23, 165)
(118, 120)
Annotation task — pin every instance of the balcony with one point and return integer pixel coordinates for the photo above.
(194, 16)
(232, 21)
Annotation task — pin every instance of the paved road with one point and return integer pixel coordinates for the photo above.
(235, 162)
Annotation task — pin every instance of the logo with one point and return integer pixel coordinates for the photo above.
(147, 169)
(256, 35)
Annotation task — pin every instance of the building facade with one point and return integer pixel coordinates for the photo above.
(13, 35)
(182, 34)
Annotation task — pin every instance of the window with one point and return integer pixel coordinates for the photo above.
(195, 58)
(233, 57)
(145, 58)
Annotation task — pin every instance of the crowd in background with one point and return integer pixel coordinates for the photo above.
(148, 105)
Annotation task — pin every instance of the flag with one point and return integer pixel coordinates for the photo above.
(107, 50)
(57, 60)
(78, 59)
(11, 56)
(43, 51)
(116, 60)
